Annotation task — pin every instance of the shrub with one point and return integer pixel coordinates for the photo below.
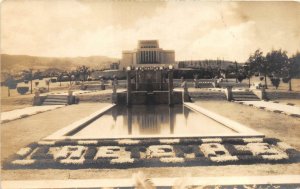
(286, 79)
(11, 83)
(22, 90)
(275, 82)
(43, 90)
(240, 78)
(83, 87)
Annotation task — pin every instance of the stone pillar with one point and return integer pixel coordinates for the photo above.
(114, 94)
(102, 86)
(147, 57)
(185, 95)
(196, 83)
(152, 57)
(161, 79)
(37, 99)
(228, 93)
(137, 80)
(128, 88)
(70, 97)
(170, 85)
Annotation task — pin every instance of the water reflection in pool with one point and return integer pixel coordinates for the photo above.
(158, 120)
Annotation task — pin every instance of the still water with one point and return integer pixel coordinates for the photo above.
(158, 120)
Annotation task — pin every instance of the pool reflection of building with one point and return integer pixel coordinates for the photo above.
(152, 120)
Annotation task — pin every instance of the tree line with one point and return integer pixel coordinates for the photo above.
(275, 64)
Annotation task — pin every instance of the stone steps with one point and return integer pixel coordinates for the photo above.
(54, 103)
(244, 96)
(56, 100)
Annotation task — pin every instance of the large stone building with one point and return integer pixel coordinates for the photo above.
(148, 53)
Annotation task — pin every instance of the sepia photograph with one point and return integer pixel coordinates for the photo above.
(150, 94)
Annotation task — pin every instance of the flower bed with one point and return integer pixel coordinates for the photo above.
(72, 154)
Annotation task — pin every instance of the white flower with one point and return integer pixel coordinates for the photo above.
(71, 152)
(261, 148)
(24, 151)
(108, 152)
(241, 147)
(72, 161)
(169, 141)
(284, 146)
(121, 160)
(212, 148)
(158, 151)
(252, 140)
(209, 140)
(23, 162)
(276, 156)
(224, 158)
(172, 160)
(45, 142)
(128, 141)
(87, 142)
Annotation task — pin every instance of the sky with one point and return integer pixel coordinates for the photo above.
(194, 29)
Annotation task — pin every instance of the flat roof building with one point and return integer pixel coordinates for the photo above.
(148, 53)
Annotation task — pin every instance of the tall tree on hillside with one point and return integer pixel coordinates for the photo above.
(258, 63)
(291, 69)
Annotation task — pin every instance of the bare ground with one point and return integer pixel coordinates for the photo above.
(19, 133)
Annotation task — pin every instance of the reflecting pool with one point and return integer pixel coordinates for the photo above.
(158, 120)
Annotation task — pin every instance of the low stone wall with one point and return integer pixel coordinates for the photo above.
(141, 97)
(94, 98)
(208, 95)
(274, 95)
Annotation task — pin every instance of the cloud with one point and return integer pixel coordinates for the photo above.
(194, 29)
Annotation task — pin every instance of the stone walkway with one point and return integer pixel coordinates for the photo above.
(274, 107)
(25, 112)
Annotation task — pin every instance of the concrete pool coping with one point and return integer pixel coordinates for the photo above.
(238, 127)
(242, 130)
(79, 124)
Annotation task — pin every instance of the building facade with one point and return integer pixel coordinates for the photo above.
(148, 53)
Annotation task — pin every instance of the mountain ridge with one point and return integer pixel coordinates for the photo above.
(22, 62)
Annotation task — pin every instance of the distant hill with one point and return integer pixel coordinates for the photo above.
(14, 63)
